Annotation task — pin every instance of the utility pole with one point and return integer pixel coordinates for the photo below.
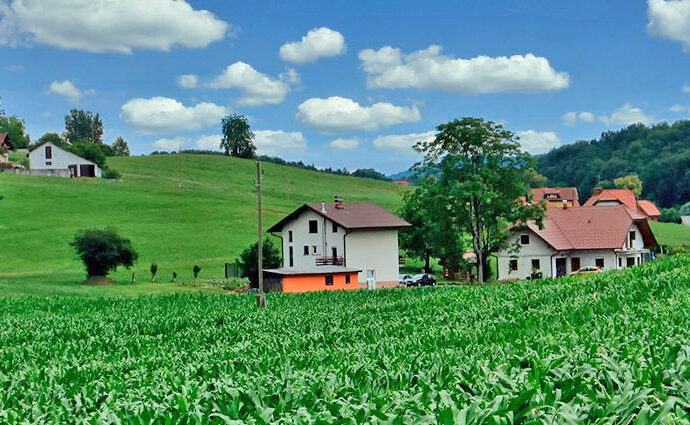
(261, 300)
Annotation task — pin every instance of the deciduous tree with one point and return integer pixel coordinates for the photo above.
(103, 251)
(631, 182)
(83, 125)
(238, 138)
(120, 147)
(249, 260)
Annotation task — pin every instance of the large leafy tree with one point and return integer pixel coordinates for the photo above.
(238, 138)
(483, 175)
(83, 125)
(249, 260)
(632, 183)
(120, 147)
(15, 128)
(103, 250)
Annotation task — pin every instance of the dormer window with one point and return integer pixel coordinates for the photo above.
(524, 239)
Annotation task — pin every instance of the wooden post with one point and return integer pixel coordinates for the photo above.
(261, 300)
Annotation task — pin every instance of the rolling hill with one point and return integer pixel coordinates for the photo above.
(205, 214)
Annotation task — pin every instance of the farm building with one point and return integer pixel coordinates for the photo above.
(47, 159)
(556, 196)
(605, 237)
(327, 242)
(602, 197)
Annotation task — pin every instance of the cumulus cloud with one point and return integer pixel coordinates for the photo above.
(188, 81)
(345, 144)
(428, 69)
(209, 142)
(276, 142)
(161, 115)
(538, 142)
(318, 43)
(339, 115)
(678, 108)
(626, 115)
(69, 90)
(403, 142)
(256, 88)
(570, 118)
(99, 26)
(171, 144)
(670, 20)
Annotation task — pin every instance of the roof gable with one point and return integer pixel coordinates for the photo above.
(560, 193)
(648, 208)
(624, 196)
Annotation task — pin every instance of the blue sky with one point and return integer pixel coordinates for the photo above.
(344, 84)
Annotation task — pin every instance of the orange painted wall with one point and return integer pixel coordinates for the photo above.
(308, 283)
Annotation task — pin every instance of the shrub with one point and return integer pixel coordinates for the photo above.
(249, 260)
(196, 269)
(103, 250)
(154, 270)
(111, 174)
(174, 277)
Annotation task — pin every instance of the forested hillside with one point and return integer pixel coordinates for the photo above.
(659, 155)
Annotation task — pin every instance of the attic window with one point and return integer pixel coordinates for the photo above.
(49, 152)
(524, 239)
(632, 236)
(335, 227)
(313, 226)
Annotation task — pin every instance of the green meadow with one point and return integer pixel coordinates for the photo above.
(178, 211)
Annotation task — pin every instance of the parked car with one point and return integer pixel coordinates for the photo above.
(586, 270)
(406, 280)
(421, 280)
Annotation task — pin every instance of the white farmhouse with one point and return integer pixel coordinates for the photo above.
(606, 237)
(48, 159)
(357, 237)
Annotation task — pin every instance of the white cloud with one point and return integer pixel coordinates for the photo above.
(290, 76)
(678, 108)
(538, 142)
(210, 142)
(276, 142)
(318, 43)
(625, 115)
(15, 68)
(188, 81)
(69, 90)
(403, 142)
(339, 114)
(172, 144)
(428, 69)
(685, 88)
(99, 26)
(256, 88)
(570, 118)
(345, 144)
(161, 115)
(670, 20)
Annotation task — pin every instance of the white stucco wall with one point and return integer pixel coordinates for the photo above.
(375, 250)
(537, 249)
(301, 238)
(61, 159)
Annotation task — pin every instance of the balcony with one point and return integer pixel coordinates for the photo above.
(330, 261)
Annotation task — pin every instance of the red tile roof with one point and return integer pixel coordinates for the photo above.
(648, 207)
(624, 196)
(563, 193)
(604, 227)
(352, 216)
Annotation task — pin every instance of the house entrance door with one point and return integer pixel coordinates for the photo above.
(560, 267)
(87, 170)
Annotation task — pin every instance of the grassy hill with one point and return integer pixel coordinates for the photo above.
(207, 220)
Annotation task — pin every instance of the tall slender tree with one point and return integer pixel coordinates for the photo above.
(83, 125)
(238, 138)
(483, 175)
(120, 147)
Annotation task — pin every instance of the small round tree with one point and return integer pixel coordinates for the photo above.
(103, 250)
(196, 269)
(154, 270)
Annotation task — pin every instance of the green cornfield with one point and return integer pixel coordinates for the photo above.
(611, 348)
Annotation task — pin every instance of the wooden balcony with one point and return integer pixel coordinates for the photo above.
(330, 261)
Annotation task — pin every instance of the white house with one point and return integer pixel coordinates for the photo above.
(47, 159)
(355, 236)
(607, 237)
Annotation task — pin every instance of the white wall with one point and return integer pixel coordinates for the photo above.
(374, 250)
(301, 238)
(537, 249)
(61, 159)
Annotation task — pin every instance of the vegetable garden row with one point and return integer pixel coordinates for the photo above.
(606, 348)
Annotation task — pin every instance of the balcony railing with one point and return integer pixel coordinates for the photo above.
(330, 261)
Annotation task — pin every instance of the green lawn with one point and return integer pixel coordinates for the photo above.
(671, 234)
(208, 221)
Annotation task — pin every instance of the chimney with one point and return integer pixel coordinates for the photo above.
(565, 204)
(323, 207)
(338, 202)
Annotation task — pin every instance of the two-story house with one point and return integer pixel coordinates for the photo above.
(336, 246)
(606, 237)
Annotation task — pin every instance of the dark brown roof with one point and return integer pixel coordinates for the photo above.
(562, 193)
(604, 227)
(354, 216)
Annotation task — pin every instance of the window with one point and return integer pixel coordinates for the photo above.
(292, 257)
(49, 152)
(313, 226)
(306, 250)
(347, 279)
(524, 239)
(49, 163)
(313, 249)
(329, 280)
(599, 262)
(290, 236)
(575, 264)
(535, 265)
(620, 262)
(630, 262)
(335, 227)
(632, 236)
(334, 250)
(513, 265)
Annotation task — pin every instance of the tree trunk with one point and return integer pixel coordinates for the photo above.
(479, 248)
(427, 263)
